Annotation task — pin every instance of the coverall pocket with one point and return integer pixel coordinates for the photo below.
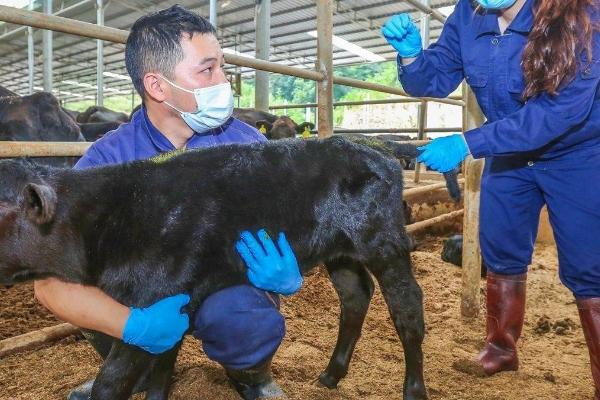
(477, 79)
(591, 71)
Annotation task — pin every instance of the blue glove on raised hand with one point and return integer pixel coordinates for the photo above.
(268, 268)
(445, 153)
(403, 35)
(159, 327)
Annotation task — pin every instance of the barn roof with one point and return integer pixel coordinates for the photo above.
(74, 58)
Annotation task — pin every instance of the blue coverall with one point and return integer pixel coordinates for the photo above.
(239, 326)
(542, 151)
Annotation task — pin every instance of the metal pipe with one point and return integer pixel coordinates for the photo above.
(427, 10)
(212, 12)
(30, 55)
(47, 50)
(64, 11)
(263, 38)
(354, 103)
(395, 130)
(338, 80)
(100, 56)
(61, 24)
(325, 67)
(425, 35)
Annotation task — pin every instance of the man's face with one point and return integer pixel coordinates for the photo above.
(202, 66)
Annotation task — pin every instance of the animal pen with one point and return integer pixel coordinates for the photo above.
(324, 77)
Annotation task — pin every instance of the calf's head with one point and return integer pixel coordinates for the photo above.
(27, 211)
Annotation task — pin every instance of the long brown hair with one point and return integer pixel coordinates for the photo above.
(562, 31)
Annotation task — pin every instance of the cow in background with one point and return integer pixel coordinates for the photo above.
(4, 92)
(93, 131)
(101, 114)
(38, 117)
(272, 126)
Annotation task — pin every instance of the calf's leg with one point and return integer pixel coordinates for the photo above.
(392, 269)
(355, 289)
(160, 379)
(122, 368)
(102, 344)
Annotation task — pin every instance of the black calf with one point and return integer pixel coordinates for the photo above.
(146, 230)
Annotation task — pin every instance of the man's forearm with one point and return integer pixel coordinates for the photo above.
(83, 306)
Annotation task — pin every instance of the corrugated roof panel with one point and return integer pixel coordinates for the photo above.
(357, 21)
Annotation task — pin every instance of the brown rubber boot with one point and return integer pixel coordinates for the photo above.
(505, 316)
(589, 314)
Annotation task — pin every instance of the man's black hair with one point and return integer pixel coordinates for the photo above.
(154, 42)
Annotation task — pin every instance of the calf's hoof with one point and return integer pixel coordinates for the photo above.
(81, 392)
(84, 391)
(265, 390)
(328, 381)
(414, 389)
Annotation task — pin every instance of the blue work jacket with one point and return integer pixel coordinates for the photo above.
(563, 128)
(139, 140)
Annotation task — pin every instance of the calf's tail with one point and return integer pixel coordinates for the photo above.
(408, 152)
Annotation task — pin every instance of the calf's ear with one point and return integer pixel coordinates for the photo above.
(300, 128)
(264, 126)
(39, 203)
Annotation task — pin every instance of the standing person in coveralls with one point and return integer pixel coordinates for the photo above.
(534, 66)
(176, 64)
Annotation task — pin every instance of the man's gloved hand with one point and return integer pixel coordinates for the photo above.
(445, 153)
(403, 35)
(268, 268)
(159, 327)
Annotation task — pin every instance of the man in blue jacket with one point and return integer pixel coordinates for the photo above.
(176, 65)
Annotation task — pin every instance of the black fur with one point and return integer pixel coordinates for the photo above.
(150, 229)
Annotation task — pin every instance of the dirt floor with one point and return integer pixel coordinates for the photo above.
(554, 359)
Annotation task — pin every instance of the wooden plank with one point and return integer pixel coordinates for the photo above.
(418, 226)
(10, 149)
(325, 67)
(471, 270)
(33, 339)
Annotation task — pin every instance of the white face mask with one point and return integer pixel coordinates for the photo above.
(214, 106)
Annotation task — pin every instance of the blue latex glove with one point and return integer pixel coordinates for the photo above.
(403, 35)
(159, 327)
(445, 153)
(268, 268)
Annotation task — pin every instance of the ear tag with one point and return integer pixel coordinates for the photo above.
(262, 130)
(306, 133)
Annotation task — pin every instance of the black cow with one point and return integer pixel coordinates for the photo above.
(101, 114)
(95, 130)
(4, 92)
(452, 253)
(72, 113)
(38, 117)
(275, 127)
(128, 230)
